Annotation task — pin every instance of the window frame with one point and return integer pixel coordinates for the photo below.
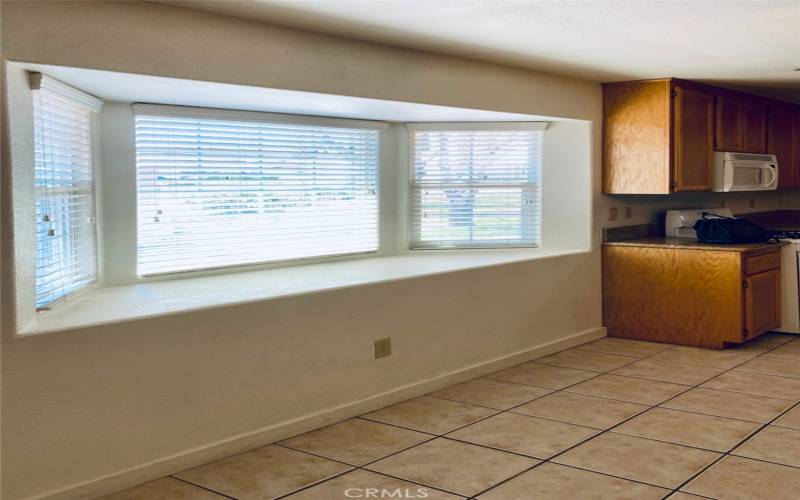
(120, 180)
(409, 235)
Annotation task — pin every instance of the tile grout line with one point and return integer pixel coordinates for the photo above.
(206, 488)
(309, 486)
(610, 429)
(750, 436)
(728, 453)
(740, 392)
(650, 407)
(549, 460)
(498, 412)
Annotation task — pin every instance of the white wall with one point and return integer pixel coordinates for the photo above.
(92, 409)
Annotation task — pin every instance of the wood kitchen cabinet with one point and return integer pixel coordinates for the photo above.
(762, 298)
(729, 122)
(657, 137)
(667, 290)
(783, 141)
(692, 130)
(740, 124)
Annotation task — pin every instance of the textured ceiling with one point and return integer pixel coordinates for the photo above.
(747, 44)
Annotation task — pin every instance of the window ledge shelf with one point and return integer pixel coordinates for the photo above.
(116, 304)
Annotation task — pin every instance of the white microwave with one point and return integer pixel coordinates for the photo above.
(744, 172)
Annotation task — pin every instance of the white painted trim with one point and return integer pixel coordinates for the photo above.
(39, 81)
(270, 434)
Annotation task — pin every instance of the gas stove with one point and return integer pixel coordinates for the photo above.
(680, 223)
(793, 236)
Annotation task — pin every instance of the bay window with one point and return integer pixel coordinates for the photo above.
(195, 192)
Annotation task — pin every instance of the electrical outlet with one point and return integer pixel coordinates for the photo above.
(752, 203)
(383, 347)
(628, 212)
(613, 213)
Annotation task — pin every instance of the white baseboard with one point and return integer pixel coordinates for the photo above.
(276, 432)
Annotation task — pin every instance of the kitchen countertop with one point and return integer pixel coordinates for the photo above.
(689, 243)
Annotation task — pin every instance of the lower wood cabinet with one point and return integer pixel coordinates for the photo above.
(762, 298)
(691, 296)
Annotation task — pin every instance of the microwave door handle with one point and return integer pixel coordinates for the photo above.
(773, 174)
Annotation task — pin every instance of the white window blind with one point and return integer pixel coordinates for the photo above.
(66, 255)
(475, 188)
(215, 192)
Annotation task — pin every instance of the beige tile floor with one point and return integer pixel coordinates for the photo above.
(611, 419)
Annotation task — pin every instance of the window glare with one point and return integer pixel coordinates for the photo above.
(219, 192)
(66, 258)
(473, 189)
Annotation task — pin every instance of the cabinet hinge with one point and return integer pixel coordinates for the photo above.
(745, 284)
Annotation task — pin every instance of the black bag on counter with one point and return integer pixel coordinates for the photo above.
(713, 228)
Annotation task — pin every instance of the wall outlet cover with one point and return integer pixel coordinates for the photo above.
(383, 347)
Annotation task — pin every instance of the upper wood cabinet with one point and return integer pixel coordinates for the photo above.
(730, 119)
(659, 136)
(783, 141)
(754, 130)
(741, 124)
(693, 129)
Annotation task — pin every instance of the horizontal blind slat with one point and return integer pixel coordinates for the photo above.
(66, 250)
(474, 189)
(221, 192)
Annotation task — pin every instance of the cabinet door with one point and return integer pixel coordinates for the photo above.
(796, 143)
(762, 303)
(754, 129)
(729, 122)
(694, 144)
(783, 141)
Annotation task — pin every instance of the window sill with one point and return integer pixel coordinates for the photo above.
(116, 304)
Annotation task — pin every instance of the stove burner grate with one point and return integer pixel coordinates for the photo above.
(787, 235)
